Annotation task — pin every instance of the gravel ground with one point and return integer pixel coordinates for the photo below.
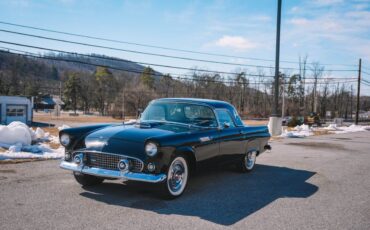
(318, 182)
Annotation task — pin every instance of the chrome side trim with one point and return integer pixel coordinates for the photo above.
(125, 175)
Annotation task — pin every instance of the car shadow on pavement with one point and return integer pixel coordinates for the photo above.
(220, 196)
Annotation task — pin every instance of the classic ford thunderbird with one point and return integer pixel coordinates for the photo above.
(169, 141)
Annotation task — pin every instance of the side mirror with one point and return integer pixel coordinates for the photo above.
(226, 125)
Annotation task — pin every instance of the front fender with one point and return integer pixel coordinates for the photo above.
(189, 152)
(166, 154)
(78, 134)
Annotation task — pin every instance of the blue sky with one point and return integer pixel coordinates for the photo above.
(328, 31)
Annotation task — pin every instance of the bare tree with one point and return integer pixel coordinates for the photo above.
(317, 72)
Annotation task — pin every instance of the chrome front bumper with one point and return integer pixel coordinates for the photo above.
(125, 175)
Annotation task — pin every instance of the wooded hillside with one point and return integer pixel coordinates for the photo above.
(94, 87)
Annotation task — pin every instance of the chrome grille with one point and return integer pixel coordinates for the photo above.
(110, 161)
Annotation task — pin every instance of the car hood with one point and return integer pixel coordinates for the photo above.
(128, 139)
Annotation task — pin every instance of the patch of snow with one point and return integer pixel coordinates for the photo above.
(63, 127)
(332, 127)
(23, 142)
(350, 129)
(298, 132)
(130, 122)
(44, 152)
(39, 133)
(16, 132)
(305, 130)
(15, 148)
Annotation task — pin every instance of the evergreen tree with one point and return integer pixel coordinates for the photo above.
(54, 73)
(72, 90)
(147, 77)
(106, 88)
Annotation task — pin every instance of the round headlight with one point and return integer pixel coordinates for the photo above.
(65, 140)
(151, 149)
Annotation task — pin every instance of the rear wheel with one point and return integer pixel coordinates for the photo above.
(87, 180)
(248, 162)
(177, 178)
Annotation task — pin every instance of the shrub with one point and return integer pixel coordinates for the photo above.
(294, 121)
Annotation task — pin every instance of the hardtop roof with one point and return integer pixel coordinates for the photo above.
(209, 102)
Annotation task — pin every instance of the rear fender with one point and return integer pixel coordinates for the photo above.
(253, 145)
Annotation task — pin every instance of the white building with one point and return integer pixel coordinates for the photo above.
(14, 108)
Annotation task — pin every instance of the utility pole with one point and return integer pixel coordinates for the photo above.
(351, 101)
(358, 91)
(277, 61)
(283, 102)
(123, 105)
(275, 120)
(60, 90)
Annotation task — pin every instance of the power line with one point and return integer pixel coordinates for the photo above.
(365, 72)
(126, 61)
(366, 83)
(363, 80)
(131, 51)
(154, 46)
(116, 59)
(156, 54)
(28, 54)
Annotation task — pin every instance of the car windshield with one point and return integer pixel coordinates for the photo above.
(185, 113)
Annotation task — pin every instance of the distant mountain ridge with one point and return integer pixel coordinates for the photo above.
(94, 60)
(8, 59)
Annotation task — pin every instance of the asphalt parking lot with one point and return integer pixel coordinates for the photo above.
(320, 182)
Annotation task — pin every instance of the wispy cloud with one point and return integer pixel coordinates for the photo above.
(326, 2)
(333, 24)
(235, 42)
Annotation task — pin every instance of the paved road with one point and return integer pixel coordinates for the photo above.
(313, 183)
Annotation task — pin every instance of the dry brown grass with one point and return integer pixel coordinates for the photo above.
(255, 122)
(54, 145)
(321, 132)
(81, 118)
(17, 161)
(52, 130)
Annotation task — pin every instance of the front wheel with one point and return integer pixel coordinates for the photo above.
(87, 180)
(177, 178)
(248, 161)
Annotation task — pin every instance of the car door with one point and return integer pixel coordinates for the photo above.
(230, 137)
(207, 144)
(206, 139)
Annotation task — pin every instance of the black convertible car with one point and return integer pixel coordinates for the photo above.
(165, 145)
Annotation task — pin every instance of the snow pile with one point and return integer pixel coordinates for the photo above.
(15, 132)
(42, 151)
(23, 142)
(63, 127)
(350, 129)
(298, 132)
(39, 133)
(333, 127)
(305, 130)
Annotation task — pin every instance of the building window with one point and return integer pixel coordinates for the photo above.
(15, 111)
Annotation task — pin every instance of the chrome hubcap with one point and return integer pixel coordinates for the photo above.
(177, 176)
(250, 159)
